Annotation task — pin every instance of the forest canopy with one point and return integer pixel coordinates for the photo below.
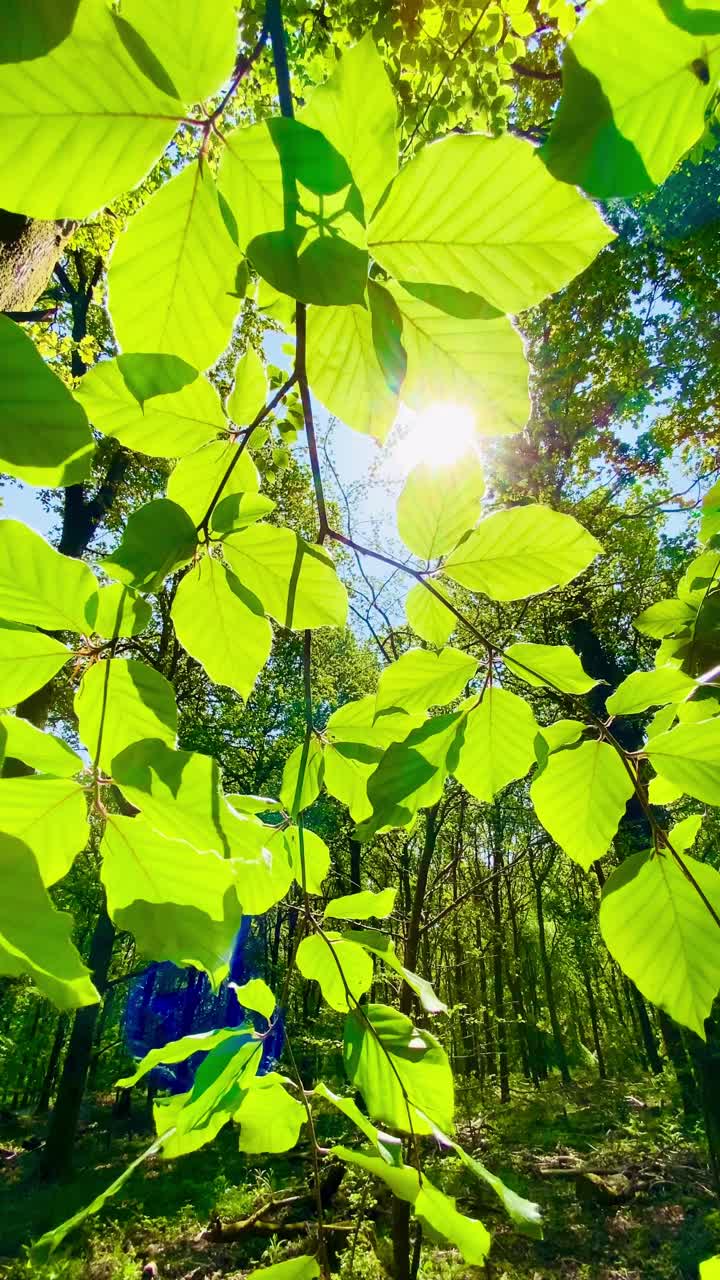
(359, 628)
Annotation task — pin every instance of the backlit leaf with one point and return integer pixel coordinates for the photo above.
(556, 666)
(28, 659)
(179, 905)
(50, 816)
(497, 744)
(428, 616)
(172, 274)
(438, 505)
(180, 412)
(412, 773)
(42, 751)
(249, 389)
(120, 612)
(662, 935)
(222, 625)
(354, 746)
(580, 797)
(626, 119)
(465, 361)
(375, 1033)
(256, 994)
(483, 214)
(177, 1051)
(270, 1119)
(38, 585)
(294, 1269)
(420, 679)
(342, 968)
(84, 122)
(346, 372)
(35, 939)
(643, 689)
(196, 478)
(294, 579)
(356, 111)
(44, 434)
(522, 551)
(688, 757)
(362, 906)
(158, 538)
(196, 54)
(121, 701)
(302, 776)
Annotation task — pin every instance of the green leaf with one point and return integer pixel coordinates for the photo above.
(38, 585)
(178, 1051)
(219, 1087)
(270, 1120)
(35, 29)
(520, 552)
(196, 478)
(302, 776)
(256, 995)
(35, 939)
(684, 834)
(179, 905)
(158, 539)
(354, 747)
(454, 359)
(343, 969)
(253, 804)
(44, 434)
(28, 660)
(384, 947)
(420, 679)
(555, 666)
(195, 53)
(710, 1269)
(345, 369)
(601, 136)
(643, 689)
(580, 797)
(172, 273)
(42, 751)
(121, 701)
(524, 1213)
(561, 733)
(180, 412)
(428, 616)
(389, 1145)
(249, 389)
(484, 215)
(710, 521)
(266, 868)
(276, 177)
(362, 906)
(435, 1209)
(666, 618)
(120, 612)
(662, 935)
(295, 580)
(412, 773)
(688, 757)
(497, 744)
(49, 815)
(660, 791)
(438, 505)
(304, 1268)
(88, 98)
(662, 720)
(316, 857)
(239, 510)
(356, 111)
(375, 1037)
(222, 625)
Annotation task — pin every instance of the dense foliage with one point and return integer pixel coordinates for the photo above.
(404, 208)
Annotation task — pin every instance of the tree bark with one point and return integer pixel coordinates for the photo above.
(547, 974)
(29, 252)
(46, 1087)
(57, 1153)
(498, 985)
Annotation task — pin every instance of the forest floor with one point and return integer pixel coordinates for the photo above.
(648, 1213)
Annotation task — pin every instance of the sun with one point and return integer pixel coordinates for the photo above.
(438, 436)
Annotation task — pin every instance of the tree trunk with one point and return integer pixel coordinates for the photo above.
(648, 1035)
(706, 1060)
(46, 1087)
(498, 987)
(29, 252)
(594, 1021)
(547, 974)
(58, 1151)
(682, 1066)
